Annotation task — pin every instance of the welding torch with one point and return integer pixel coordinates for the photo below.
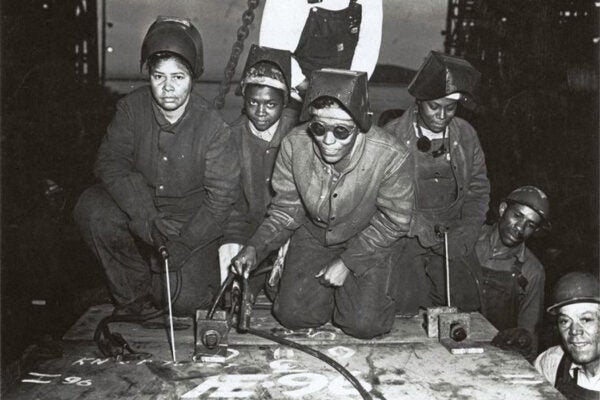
(159, 241)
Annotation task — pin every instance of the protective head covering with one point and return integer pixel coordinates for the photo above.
(176, 35)
(442, 75)
(268, 67)
(348, 87)
(575, 287)
(533, 198)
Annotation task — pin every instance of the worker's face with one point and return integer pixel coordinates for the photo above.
(171, 84)
(579, 328)
(263, 105)
(333, 123)
(517, 223)
(435, 115)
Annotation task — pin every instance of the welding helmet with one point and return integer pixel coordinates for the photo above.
(442, 75)
(533, 198)
(175, 35)
(256, 71)
(575, 287)
(348, 87)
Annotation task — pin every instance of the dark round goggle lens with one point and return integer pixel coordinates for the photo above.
(340, 132)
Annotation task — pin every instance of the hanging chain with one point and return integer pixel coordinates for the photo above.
(236, 52)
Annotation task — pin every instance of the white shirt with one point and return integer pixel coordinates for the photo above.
(283, 21)
(265, 135)
(547, 365)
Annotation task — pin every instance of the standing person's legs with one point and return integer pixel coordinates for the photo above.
(302, 302)
(435, 268)
(104, 229)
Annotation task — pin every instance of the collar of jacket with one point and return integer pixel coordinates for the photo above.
(492, 237)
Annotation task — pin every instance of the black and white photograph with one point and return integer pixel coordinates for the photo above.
(299, 199)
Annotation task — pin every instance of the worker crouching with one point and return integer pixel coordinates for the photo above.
(344, 195)
(169, 176)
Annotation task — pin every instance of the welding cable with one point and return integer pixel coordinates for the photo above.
(103, 329)
(315, 353)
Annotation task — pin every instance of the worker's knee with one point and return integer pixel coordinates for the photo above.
(366, 327)
(290, 315)
(96, 213)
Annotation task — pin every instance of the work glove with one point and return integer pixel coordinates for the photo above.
(226, 253)
(244, 261)
(142, 229)
(517, 339)
(461, 239)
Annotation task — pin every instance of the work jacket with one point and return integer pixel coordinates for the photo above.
(366, 206)
(468, 163)
(194, 178)
(257, 160)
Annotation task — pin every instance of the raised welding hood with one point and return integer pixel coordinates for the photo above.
(441, 75)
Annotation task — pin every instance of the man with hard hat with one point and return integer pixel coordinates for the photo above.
(574, 366)
(344, 195)
(169, 176)
(450, 176)
(501, 277)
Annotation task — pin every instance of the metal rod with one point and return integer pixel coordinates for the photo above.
(170, 311)
(447, 268)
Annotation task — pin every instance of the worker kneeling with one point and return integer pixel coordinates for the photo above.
(344, 195)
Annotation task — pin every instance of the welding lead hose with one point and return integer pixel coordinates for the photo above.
(308, 350)
(315, 353)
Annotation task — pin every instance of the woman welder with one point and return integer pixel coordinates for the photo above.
(450, 176)
(169, 175)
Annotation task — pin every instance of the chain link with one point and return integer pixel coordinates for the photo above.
(236, 51)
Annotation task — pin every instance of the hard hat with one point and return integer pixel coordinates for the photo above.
(575, 287)
(176, 35)
(348, 87)
(442, 75)
(533, 198)
(280, 58)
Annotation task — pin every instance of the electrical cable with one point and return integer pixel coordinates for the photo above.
(315, 353)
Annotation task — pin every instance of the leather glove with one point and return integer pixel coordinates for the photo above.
(245, 261)
(142, 229)
(179, 253)
(518, 339)
(461, 239)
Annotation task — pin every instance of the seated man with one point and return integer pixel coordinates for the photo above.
(257, 135)
(501, 277)
(574, 366)
(344, 195)
(169, 175)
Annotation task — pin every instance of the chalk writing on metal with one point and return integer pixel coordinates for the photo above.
(341, 352)
(307, 383)
(245, 386)
(285, 366)
(47, 378)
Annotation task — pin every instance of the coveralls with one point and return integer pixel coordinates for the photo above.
(505, 284)
(148, 167)
(451, 190)
(257, 160)
(356, 215)
(324, 34)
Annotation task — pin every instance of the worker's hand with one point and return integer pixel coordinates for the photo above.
(168, 227)
(518, 339)
(142, 229)
(244, 262)
(461, 239)
(333, 274)
(179, 253)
